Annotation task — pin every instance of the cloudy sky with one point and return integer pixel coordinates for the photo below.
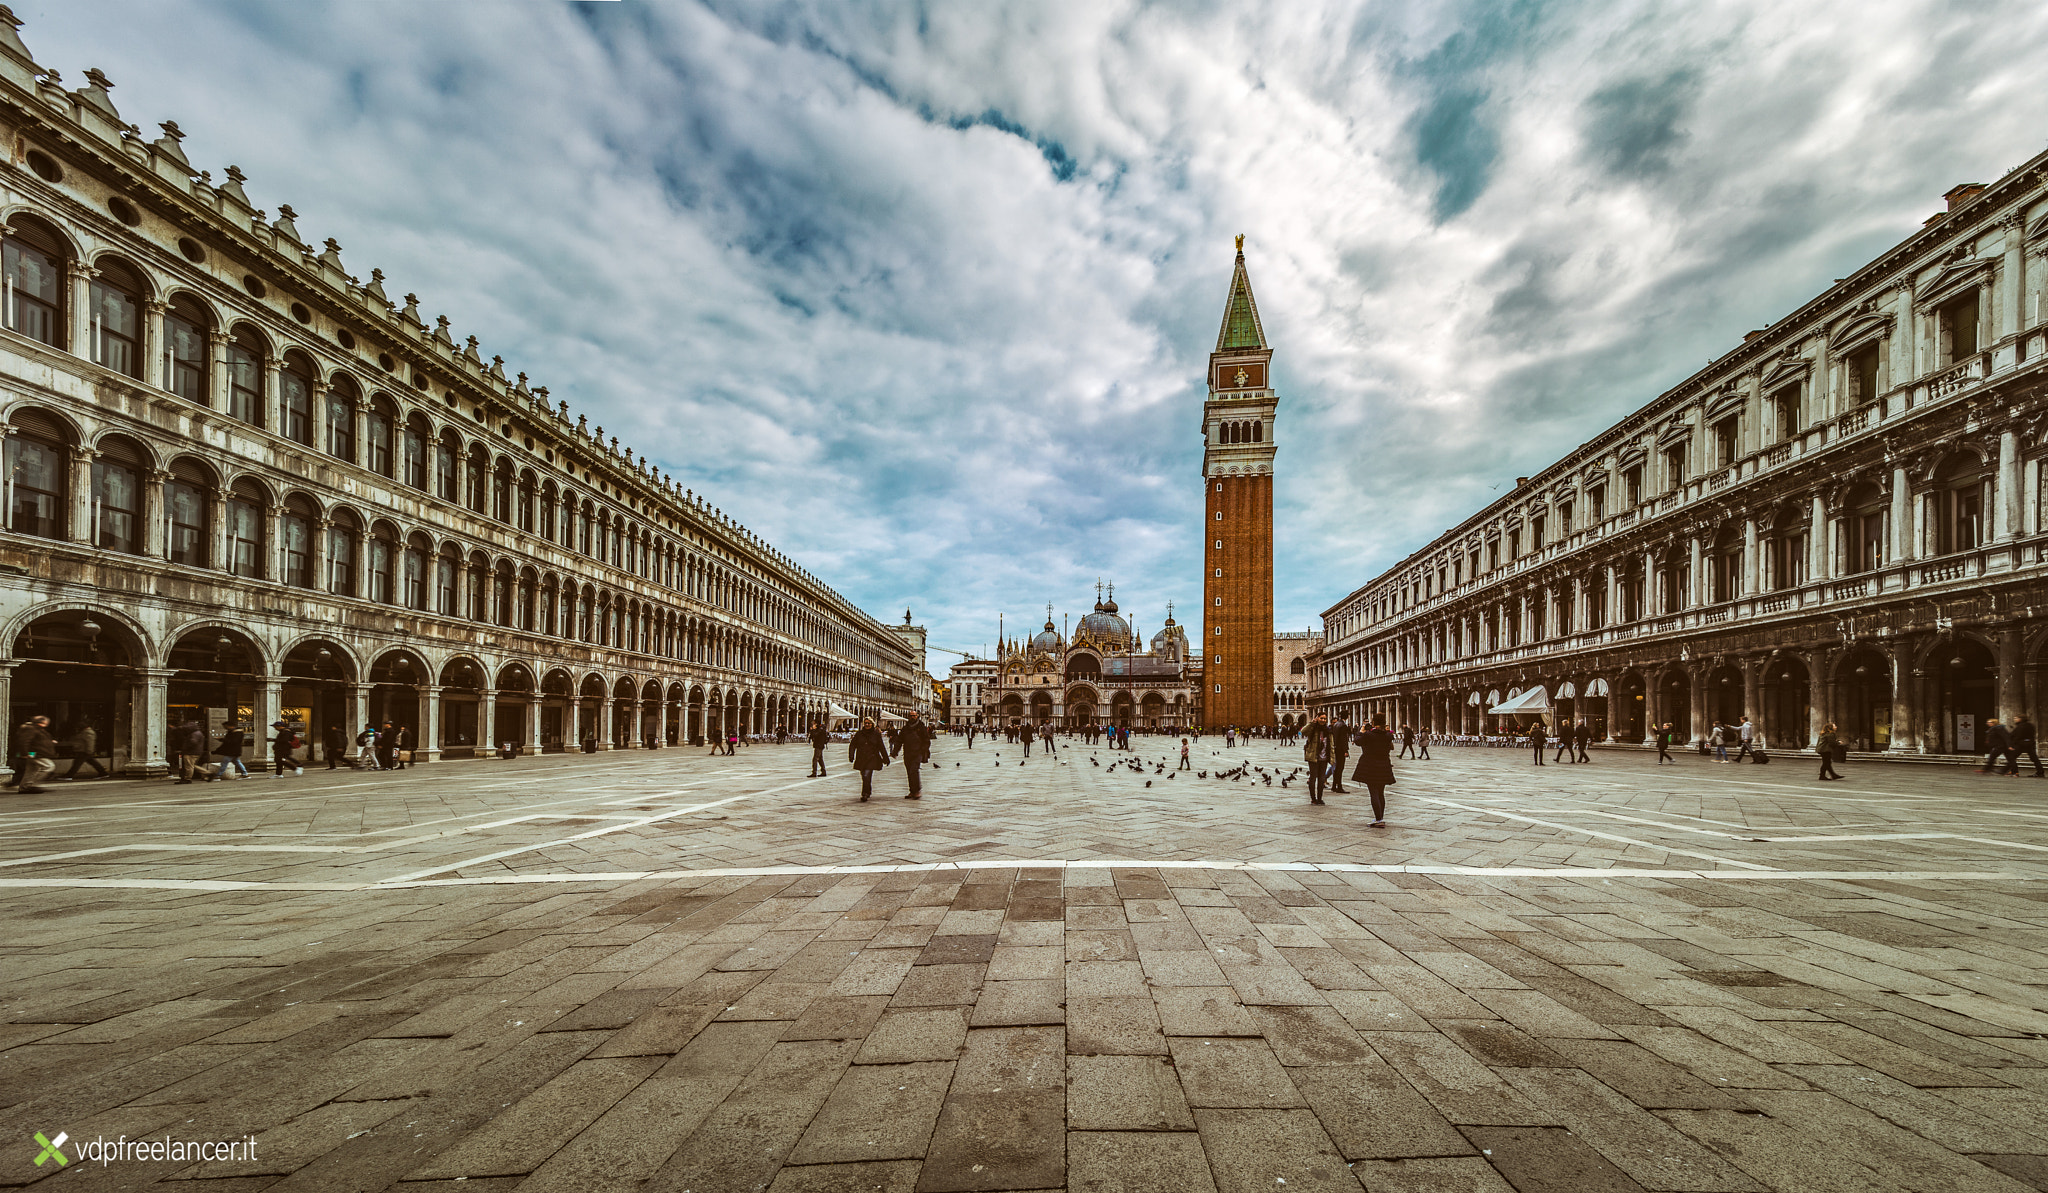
(924, 292)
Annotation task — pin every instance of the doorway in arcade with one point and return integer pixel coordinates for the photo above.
(214, 681)
(318, 694)
(81, 675)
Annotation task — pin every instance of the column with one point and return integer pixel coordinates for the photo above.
(487, 720)
(427, 742)
(81, 337)
(1905, 364)
(359, 709)
(1905, 730)
(1819, 537)
(7, 667)
(1615, 710)
(81, 530)
(1752, 566)
(273, 539)
(1699, 716)
(217, 369)
(1696, 589)
(269, 699)
(155, 515)
(155, 356)
(2009, 658)
(1821, 683)
(217, 556)
(1752, 701)
(2005, 524)
(2013, 282)
(1902, 536)
(534, 741)
(148, 710)
(273, 396)
(604, 722)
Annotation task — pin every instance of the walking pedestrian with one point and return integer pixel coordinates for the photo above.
(282, 742)
(1407, 740)
(1536, 739)
(1565, 741)
(868, 752)
(1663, 733)
(1997, 744)
(334, 744)
(189, 741)
(1746, 733)
(1828, 743)
(366, 749)
(1582, 736)
(83, 745)
(916, 742)
(1340, 749)
(1422, 747)
(229, 752)
(819, 738)
(1184, 763)
(1315, 751)
(38, 751)
(2023, 739)
(1375, 765)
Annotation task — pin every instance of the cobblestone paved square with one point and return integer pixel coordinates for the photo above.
(667, 971)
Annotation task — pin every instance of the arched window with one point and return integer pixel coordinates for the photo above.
(448, 467)
(412, 452)
(413, 573)
(583, 526)
(447, 582)
(296, 529)
(377, 425)
(568, 527)
(185, 350)
(116, 318)
(474, 478)
(383, 565)
(525, 502)
(245, 379)
(32, 260)
(501, 595)
(117, 497)
(501, 492)
(548, 608)
(188, 504)
(523, 608)
(38, 475)
(1259, 431)
(548, 511)
(246, 504)
(342, 535)
(295, 400)
(340, 416)
(1297, 667)
(479, 587)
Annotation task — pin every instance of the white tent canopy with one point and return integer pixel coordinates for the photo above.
(833, 711)
(889, 716)
(1535, 700)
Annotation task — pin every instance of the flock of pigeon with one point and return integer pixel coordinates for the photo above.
(1138, 767)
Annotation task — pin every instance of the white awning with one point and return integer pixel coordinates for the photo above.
(1597, 688)
(837, 713)
(889, 716)
(1493, 697)
(1535, 700)
(1569, 691)
(1475, 698)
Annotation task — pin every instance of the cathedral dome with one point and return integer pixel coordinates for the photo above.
(1048, 639)
(1172, 641)
(1104, 625)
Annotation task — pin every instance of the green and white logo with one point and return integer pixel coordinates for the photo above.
(53, 1149)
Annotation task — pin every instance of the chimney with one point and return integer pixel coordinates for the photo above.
(1747, 336)
(1520, 481)
(1957, 196)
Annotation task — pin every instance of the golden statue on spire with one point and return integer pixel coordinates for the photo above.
(1240, 242)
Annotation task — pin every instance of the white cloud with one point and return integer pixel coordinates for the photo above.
(923, 294)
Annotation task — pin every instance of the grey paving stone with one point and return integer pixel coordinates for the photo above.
(889, 1176)
(877, 1112)
(1021, 1004)
(1119, 1025)
(1634, 1140)
(1232, 1074)
(1263, 1150)
(745, 1138)
(1549, 1160)
(900, 1037)
(1202, 1011)
(1462, 1090)
(1372, 1113)
(1003, 1123)
(1449, 1175)
(1124, 1093)
(1137, 1162)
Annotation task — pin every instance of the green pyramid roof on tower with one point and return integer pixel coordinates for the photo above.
(1241, 314)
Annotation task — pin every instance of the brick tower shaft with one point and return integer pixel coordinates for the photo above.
(1237, 472)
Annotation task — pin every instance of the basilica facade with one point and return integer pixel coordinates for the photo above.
(1104, 674)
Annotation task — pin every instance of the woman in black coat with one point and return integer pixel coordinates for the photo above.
(1375, 764)
(868, 752)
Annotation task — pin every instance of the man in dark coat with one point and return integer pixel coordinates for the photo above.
(38, 752)
(1536, 739)
(1582, 736)
(1997, 744)
(915, 741)
(1375, 765)
(335, 745)
(1315, 752)
(1340, 749)
(188, 741)
(819, 740)
(229, 751)
(868, 752)
(2023, 742)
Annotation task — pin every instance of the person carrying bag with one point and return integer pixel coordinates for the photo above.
(1375, 765)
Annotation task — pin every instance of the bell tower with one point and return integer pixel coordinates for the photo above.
(1237, 517)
